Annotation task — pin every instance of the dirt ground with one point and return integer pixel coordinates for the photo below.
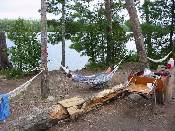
(121, 114)
(7, 85)
(125, 115)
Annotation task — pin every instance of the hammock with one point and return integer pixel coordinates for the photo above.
(93, 80)
(160, 60)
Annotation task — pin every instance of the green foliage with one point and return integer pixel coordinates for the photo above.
(12, 73)
(132, 57)
(25, 55)
(96, 66)
(86, 28)
(71, 28)
(157, 27)
(157, 17)
(127, 26)
(91, 40)
(7, 24)
(54, 7)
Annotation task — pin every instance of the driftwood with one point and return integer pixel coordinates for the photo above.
(65, 109)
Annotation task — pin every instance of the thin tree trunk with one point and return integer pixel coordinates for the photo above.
(137, 32)
(108, 4)
(172, 27)
(4, 62)
(149, 34)
(63, 33)
(44, 77)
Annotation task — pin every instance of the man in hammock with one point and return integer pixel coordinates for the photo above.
(71, 75)
(98, 78)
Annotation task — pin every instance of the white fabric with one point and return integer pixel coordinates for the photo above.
(171, 62)
(160, 60)
(147, 72)
(150, 86)
(66, 69)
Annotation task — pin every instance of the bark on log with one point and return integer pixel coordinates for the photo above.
(4, 62)
(39, 119)
(65, 109)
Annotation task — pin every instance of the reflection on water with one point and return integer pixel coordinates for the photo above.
(73, 59)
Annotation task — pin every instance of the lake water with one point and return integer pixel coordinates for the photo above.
(74, 60)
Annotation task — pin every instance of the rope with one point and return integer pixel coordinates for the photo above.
(116, 67)
(160, 60)
(23, 87)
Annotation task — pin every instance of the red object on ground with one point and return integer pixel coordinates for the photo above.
(168, 66)
(161, 84)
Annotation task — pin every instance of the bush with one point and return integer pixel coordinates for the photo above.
(95, 66)
(25, 54)
(132, 57)
(12, 73)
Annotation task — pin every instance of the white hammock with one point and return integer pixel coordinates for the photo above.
(160, 60)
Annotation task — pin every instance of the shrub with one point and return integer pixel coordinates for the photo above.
(25, 54)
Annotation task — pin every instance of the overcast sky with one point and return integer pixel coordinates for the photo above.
(27, 9)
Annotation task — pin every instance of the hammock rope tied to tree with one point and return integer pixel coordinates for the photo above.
(93, 80)
(160, 60)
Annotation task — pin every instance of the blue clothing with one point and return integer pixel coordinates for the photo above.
(98, 78)
(4, 107)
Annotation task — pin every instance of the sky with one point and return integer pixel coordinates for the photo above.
(27, 9)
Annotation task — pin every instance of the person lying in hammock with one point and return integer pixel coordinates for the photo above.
(96, 78)
(71, 74)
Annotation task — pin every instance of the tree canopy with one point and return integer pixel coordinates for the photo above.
(101, 31)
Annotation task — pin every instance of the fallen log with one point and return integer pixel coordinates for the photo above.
(65, 109)
(39, 120)
(102, 97)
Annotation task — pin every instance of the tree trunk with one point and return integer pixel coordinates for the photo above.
(172, 26)
(137, 32)
(63, 33)
(4, 62)
(108, 4)
(44, 76)
(149, 34)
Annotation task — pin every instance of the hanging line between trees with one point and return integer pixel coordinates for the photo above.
(160, 60)
(24, 86)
